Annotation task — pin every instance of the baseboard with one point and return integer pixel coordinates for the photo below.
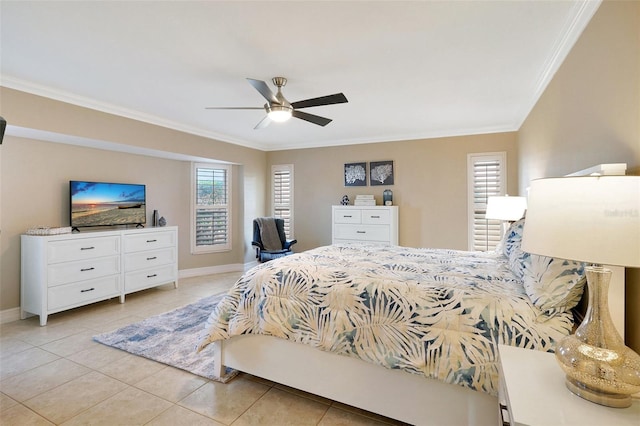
(209, 270)
(9, 315)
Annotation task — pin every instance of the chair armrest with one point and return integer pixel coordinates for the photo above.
(257, 244)
(289, 243)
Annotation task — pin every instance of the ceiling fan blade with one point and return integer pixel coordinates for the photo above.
(263, 123)
(233, 108)
(315, 119)
(337, 98)
(264, 90)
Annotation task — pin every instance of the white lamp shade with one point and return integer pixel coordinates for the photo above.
(506, 208)
(588, 219)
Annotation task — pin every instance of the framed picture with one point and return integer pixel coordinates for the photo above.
(355, 174)
(381, 173)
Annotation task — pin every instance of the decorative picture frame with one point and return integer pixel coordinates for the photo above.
(355, 174)
(381, 173)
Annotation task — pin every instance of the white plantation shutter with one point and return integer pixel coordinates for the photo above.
(487, 177)
(211, 216)
(282, 192)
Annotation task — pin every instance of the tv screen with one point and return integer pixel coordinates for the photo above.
(107, 204)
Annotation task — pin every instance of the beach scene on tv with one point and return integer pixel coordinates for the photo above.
(105, 204)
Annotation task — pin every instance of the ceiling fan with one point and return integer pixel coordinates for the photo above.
(279, 109)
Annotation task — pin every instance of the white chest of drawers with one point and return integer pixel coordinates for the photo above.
(150, 258)
(61, 272)
(373, 224)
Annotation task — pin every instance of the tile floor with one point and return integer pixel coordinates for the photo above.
(58, 375)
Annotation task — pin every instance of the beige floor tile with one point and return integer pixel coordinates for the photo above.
(171, 384)
(338, 417)
(41, 379)
(12, 346)
(129, 407)
(51, 332)
(281, 408)
(23, 361)
(71, 344)
(6, 402)
(224, 402)
(68, 400)
(179, 416)
(19, 415)
(131, 369)
(97, 356)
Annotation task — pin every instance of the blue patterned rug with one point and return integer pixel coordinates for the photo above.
(171, 338)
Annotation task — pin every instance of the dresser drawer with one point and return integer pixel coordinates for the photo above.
(149, 241)
(148, 259)
(68, 272)
(347, 216)
(139, 280)
(362, 232)
(376, 217)
(82, 248)
(76, 294)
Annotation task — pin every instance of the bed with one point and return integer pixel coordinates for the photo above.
(407, 333)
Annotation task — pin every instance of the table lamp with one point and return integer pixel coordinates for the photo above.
(592, 219)
(505, 208)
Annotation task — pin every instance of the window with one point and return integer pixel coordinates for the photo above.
(211, 208)
(486, 177)
(282, 195)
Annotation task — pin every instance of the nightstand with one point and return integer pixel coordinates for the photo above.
(532, 392)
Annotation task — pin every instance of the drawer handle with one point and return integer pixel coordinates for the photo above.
(87, 269)
(88, 289)
(151, 241)
(375, 217)
(152, 258)
(152, 275)
(87, 248)
(347, 215)
(361, 232)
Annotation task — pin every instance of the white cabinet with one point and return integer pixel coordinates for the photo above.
(60, 272)
(150, 258)
(373, 224)
(532, 392)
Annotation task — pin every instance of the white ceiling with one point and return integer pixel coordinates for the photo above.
(410, 70)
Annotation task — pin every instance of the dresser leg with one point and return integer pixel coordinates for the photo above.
(43, 320)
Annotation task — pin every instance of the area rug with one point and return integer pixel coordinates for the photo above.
(171, 338)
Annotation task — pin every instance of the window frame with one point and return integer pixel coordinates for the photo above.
(492, 227)
(194, 207)
(277, 207)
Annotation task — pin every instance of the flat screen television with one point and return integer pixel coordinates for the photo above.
(106, 204)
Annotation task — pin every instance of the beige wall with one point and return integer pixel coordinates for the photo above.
(35, 176)
(590, 114)
(430, 186)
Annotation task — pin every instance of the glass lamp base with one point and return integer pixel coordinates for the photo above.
(598, 365)
(599, 397)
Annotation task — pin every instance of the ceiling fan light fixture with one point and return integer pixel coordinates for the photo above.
(279, 113)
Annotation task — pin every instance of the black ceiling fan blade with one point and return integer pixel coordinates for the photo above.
(337, 98)
(315, 119)
(264, 90)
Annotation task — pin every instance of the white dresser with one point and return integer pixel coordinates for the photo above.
(373, 224)
(60, 272)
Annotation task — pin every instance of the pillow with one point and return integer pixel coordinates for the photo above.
(512, 238)
(553, 285)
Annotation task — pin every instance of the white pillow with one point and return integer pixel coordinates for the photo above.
(553, 285)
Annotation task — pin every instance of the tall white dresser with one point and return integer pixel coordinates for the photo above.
(372, 224)
(60, 272)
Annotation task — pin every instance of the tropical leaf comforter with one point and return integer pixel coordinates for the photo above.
(436, 313)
